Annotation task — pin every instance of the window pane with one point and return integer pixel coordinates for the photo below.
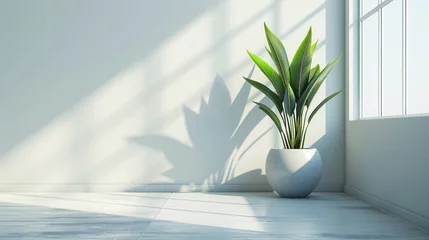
(370, 66)
(417, 55)
(368, 5)
(392, 59)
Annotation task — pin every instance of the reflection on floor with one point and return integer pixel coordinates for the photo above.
(195, 216)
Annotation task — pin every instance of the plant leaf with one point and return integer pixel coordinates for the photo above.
(301, 65)
(270, 114)
(314, 86)
(303, 99)
(279, 55)
(314, 72)
(270, 73)
(310, 76)
(320, 78)
(313, 47)
(289, 101)
(269, 52)
(322, 103)
(265, 90)
(274, 60)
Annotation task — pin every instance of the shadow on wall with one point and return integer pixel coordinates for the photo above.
(215, 133)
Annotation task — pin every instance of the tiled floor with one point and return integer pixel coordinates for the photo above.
(195, 216)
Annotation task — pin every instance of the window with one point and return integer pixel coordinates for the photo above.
(394, 50)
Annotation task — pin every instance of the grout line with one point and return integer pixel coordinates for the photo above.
(79, 200)
(154, 218)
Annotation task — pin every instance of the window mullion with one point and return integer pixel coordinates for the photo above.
(360, 61)
(404, 57)
(380, 62)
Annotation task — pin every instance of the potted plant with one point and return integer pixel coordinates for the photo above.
(292, 171)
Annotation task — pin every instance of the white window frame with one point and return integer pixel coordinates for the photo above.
(362, 17)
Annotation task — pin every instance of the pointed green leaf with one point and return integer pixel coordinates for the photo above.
(270, 94)
(313, 47)
(322, 103)
(270, 73)
(270, 114)
(314, 72)
(314, 86)
(269, 52)
(310, 76)
(279, 54)
(273, 58)
(319, 80)
(303, 99)
(289, 101)
(301, 65)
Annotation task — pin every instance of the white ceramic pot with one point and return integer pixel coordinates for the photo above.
(293, 173)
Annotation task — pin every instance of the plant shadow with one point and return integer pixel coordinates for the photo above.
(216, 132)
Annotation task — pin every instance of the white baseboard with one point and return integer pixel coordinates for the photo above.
(411, 217)
(135, 188)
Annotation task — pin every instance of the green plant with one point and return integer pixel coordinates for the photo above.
(295, 86)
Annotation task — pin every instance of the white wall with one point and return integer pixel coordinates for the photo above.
(387, 159)
(148, 95)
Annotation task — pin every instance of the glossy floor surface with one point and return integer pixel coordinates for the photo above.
(195, 216)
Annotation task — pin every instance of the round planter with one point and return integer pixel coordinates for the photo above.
(293, 173)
